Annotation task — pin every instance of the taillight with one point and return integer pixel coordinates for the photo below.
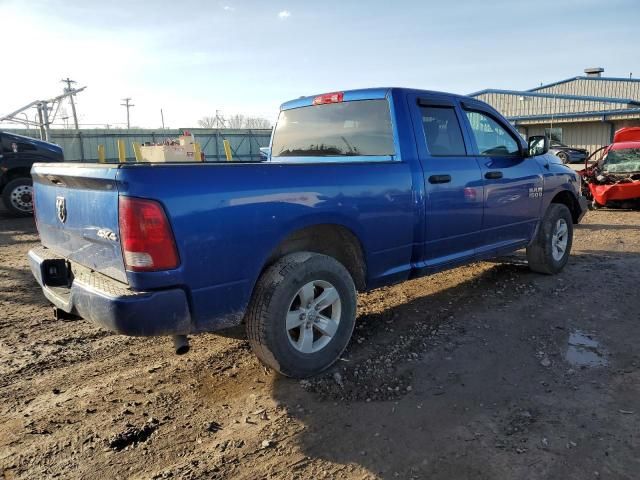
(335, 97)
(145, 236)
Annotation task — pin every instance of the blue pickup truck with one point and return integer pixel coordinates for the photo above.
(360, 189)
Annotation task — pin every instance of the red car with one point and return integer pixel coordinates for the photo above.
(614, 179)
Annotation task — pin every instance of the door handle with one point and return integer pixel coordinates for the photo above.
(493, 175)
(439, 178)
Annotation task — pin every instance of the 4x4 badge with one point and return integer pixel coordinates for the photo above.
(61, 209)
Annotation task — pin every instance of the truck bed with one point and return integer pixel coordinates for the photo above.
(228, 219)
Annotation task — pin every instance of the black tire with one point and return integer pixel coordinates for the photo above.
(18, 199)
(275, 296)
(563, 156)
(542, 256)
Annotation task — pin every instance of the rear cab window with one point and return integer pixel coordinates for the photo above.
(357, 129)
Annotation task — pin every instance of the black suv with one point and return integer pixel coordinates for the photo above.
(17, 155)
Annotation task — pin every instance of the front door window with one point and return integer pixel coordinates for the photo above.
(492, 139)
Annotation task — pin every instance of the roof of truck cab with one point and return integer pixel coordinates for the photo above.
(362, 94)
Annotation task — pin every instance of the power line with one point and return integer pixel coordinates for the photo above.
(128, 105)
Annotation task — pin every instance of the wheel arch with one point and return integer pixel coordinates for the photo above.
(332, 239)
(14, 173)
(568, 199)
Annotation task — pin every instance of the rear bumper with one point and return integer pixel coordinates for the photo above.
(112, 304)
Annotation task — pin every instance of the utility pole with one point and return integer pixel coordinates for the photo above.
(162, 117)
(42, 115)
(68, 81)
(128, 105)
(68, 89)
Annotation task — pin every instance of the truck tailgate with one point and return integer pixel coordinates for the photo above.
(77, 214)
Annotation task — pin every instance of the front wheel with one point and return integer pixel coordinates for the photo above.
(302, 314)
(549, 251)
(18, 197)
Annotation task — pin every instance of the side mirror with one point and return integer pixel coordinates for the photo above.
(265, 153)
(538, 145)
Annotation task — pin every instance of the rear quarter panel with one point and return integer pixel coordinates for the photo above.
(228, 218)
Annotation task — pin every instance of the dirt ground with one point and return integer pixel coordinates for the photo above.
(485, 372)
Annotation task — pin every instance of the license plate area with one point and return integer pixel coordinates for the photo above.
(56, 272)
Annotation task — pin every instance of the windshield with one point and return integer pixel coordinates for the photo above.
(357, 128)
(624, 160)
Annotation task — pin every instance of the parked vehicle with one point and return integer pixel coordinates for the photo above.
(17, 155)
(568, 154)
(362, 189)
(614, 179)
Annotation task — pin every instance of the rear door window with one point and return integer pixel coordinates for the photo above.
(358, 128)
(442, 131)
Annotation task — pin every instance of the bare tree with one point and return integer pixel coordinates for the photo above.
(235, 121)
(207, 122)
(257, 122)
(216, 121)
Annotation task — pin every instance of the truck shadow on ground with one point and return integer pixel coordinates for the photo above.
(449, 384)
(26, 291)
(11, 228)
(10, 239)
(16, 234)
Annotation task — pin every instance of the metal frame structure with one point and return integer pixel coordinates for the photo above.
(43, 108)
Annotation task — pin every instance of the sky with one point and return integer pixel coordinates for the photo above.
(191, 58)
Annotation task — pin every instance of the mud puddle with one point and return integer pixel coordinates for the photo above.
(584, 350)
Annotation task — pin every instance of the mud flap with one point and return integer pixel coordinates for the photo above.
(584, 207)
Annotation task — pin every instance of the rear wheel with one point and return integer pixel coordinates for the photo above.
(302, 314)
(17, 196)
(549, 252)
